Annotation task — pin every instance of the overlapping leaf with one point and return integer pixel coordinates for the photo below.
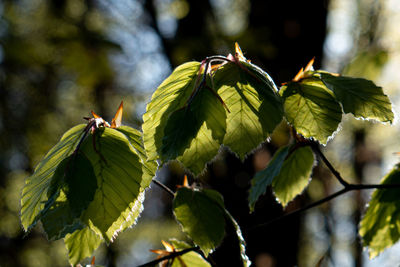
(34, 194)
(311, 108)
(201, 217)
(135, 138)
(380, 227)
(264, 178)
(81, 244)
(202, 149)
(360, 97)
(184, 124)
(294, 175)
(170, 96)
(255, 109)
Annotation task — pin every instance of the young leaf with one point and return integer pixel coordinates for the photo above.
(360, 97)
(255, 109)
(264, 178)
(119, 174)
(34, 193)
(380, 227)
(294, 175)
(200, 216)
(311, 109)
(81, 244)
(170, 96)
(183, 125)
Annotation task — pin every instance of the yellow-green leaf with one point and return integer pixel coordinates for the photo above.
(294, 175)
(311, 108)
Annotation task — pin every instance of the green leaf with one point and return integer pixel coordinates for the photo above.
(184, 124)
(264, 178)
(78, 182)
(170, 96)
(311, 108)
(81, 244)
(191, 258)
(200, 216)
(119, 173)
(136, 140)
(294, 175)
(380, 227)
(34, 193)
(360, 97)
(242, 243)
(202, 149)
(255, 108)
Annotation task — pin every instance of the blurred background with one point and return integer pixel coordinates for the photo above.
(59, 59)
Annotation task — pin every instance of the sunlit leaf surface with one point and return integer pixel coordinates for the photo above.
(294, 175)
(184, 124)
(311, 108)
(170, 96)
(81, 244)
(360, 97)
(119, 172)
(255, 108)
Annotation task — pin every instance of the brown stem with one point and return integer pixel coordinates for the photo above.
(164, 187)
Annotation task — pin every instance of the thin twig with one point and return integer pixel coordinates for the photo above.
(300, 210)
(170, 256)
(318, 151)
(163, 186)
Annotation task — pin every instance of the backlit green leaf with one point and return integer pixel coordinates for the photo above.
(170, 96)
(136, 139)
(255, 108)
(360, 97)
(201, 217)
(34, 194)
(294, 175)
(264, 178)
(380, 227)
(202, 149)
(183, 125)
(311, 108)
(119, 173)
(81, 244)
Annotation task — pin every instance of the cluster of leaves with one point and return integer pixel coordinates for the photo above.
(91, 185)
